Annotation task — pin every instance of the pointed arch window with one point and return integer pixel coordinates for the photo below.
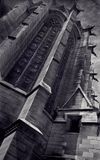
(26, 70)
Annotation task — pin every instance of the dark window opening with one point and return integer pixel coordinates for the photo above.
(74, 124)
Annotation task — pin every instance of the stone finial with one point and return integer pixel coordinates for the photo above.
(75, 8)
(91, 47)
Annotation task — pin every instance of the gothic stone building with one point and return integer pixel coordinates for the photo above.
(47, 109)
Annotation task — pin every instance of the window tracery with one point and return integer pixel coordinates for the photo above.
(26, 70)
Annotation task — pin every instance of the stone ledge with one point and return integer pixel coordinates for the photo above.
(46, 87)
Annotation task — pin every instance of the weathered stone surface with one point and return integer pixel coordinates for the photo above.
(39, 134)
(11, 104)
(10, 49)
(25, 142)
(52, 73)
(87, 155)
(12, 19)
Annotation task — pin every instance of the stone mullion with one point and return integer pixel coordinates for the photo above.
(40, 67)
(21, 64)
(33, 57)
(36, 62)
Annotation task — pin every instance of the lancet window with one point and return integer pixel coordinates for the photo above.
(26, 70)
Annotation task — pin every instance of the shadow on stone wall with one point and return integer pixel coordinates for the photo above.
(7, 5)
(3, 8)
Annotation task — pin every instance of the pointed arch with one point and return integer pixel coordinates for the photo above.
(24, 73)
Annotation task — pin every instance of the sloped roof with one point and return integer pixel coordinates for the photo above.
(78, 88)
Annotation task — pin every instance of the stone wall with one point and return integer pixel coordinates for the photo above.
(11, 103)
(12, 99)
(88, 146)
(25, 142)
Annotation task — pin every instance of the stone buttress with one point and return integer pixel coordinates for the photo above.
(46, 108)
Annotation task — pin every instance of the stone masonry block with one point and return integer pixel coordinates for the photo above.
(94, 151)
(29, 19)
(98, 138)
(97, 146)
(88, 154)
(85, 146)
(91, 137)
(85, 142)
(94, 142)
